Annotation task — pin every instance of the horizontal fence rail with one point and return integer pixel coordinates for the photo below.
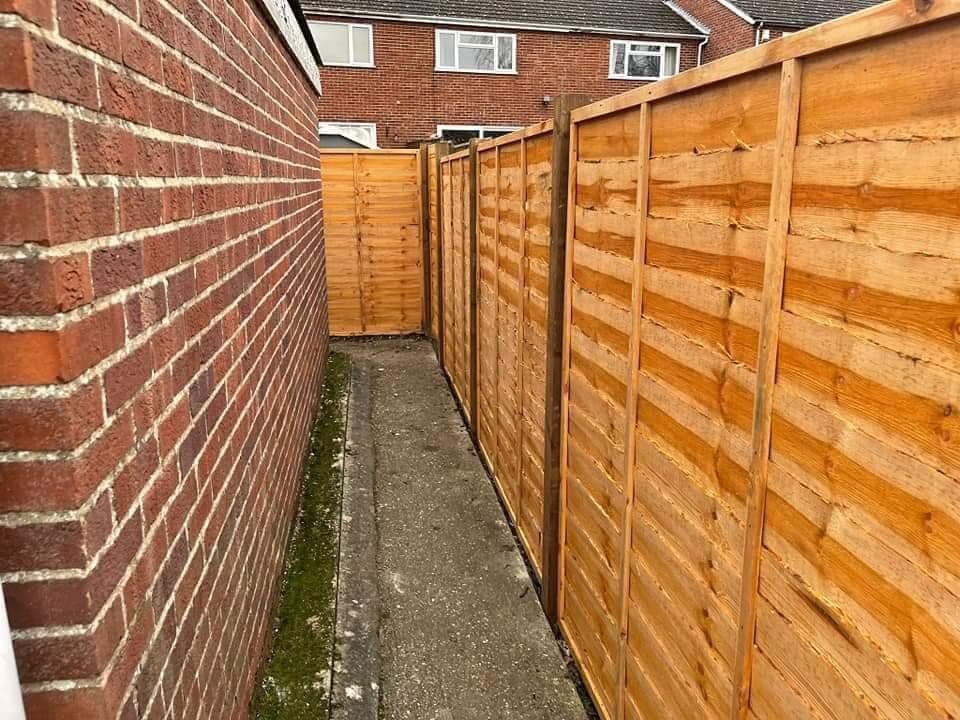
(374, 243)
(706, 338)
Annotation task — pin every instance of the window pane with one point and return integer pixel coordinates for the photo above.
(643, 66)
(332, 42)
(619, 53)
(460, 137)
(475, 58)
(361, 45)
(446, 52)
(505, 53)
(639, 47)
(476, 39)
(671, 61)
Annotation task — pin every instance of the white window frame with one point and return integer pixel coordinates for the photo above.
(482, 129)
(331, 125)
(349, 27)
(625, 75)
(457, 45)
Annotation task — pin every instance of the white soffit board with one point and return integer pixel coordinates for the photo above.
(286, 22)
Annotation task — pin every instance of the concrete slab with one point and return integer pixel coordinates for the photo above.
(461, 632)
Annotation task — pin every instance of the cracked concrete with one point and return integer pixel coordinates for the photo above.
(459, 632)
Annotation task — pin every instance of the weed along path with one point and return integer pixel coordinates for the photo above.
(455, 631)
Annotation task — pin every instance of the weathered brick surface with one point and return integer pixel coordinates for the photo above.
(408, 99)
(162, 334)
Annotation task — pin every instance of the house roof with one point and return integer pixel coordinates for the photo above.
(653, 17)
(798, 13)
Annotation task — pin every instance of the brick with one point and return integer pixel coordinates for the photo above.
(123, 380)
(160, 252)
(87, 25)
(146, 308)
(52, 216)
(14, 64)
(36, 486)
(117, 267)
(69, 656)
(60, 74)
(36, 11)
(124, 97)
(64, 704)
(34, 141)
(43, 357)
(104, 149)
(45, 423)
(176, 76)
(155, 158)
(45, 286)
(140, 208)
(140, 54)
(132, 480)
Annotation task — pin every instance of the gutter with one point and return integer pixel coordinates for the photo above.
(479, 22)
(756, 37)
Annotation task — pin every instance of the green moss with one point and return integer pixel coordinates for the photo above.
(294, 681)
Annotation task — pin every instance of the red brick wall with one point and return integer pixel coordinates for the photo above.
(162, 336)
(728, 31)
(407, 99)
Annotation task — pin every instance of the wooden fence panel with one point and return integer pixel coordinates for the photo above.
(599, 297)
(860, 567)
(455, 208)
(513, 226)
(487, 185)
(533, 350)
(433, 191)
(508, 237)
(374, 256)
(700, 310)
(761, 478)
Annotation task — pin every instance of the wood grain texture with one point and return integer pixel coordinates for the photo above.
(372, 213)
(794, 508)
(788, 112)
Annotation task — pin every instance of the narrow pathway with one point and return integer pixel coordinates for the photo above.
(459, 632)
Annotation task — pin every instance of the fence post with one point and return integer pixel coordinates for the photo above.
(774, 269)
(474, 289)
(425, 236)
(443, 148)
(560, 167)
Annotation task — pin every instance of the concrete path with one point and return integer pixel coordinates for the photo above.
(461, 635)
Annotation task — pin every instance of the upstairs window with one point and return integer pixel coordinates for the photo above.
(478, 52)
(344, 43)
(643, 61)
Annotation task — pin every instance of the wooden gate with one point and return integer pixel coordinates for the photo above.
(372, 225)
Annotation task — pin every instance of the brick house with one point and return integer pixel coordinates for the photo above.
(738, 24)
(396, 73)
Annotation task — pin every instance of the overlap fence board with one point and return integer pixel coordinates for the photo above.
(456, 321)
(433, 223)
(487, 204)
(372, 213)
